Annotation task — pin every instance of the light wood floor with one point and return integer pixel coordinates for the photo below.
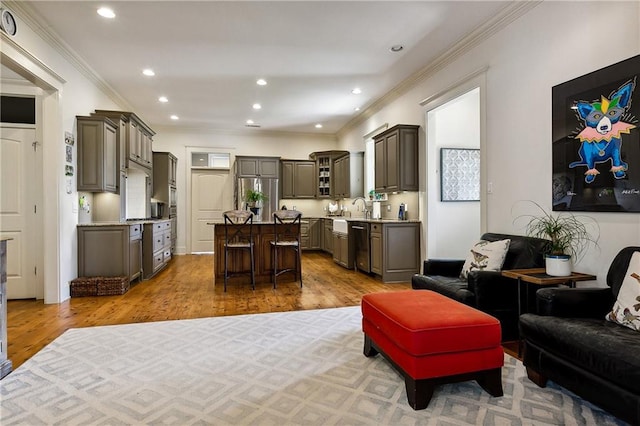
(185, 290)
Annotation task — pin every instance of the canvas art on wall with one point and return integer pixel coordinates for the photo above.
(460, 174)
(596, 140)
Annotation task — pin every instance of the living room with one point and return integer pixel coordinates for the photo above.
(515, 68)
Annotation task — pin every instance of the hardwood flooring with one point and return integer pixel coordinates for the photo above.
(185, 290)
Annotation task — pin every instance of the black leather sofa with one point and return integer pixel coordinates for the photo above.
(487, 291)
(570, 343)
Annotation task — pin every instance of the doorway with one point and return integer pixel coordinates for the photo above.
(210, 197)
(20, 199)
(455, 120)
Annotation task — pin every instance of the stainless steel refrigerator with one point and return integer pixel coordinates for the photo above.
(268, 186)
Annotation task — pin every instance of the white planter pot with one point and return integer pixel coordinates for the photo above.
(558, 265)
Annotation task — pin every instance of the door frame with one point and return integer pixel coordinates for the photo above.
(476, 79)
(49, 131)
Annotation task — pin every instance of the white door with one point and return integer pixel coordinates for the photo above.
(20, 219)
(211, 195)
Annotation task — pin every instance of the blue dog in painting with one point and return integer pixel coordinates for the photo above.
(601, 139)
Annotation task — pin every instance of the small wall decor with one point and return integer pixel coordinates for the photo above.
(459, 174)
(68, 138)
(69, 153)
(596, 141)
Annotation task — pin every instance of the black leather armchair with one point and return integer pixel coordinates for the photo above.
(487, 291)
(570, 342)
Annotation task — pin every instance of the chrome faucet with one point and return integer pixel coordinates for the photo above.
(364, 208)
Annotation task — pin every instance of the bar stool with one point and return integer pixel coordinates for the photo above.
(238, 236)
(286, 231)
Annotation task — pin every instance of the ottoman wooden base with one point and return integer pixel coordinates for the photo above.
(431, 340)
(420, 391)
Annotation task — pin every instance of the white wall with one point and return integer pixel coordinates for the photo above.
(453, 226)
(552, 43)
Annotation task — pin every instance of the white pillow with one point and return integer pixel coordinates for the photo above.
(626, 309)
(485, 256)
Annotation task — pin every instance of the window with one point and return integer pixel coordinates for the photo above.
(210, 160)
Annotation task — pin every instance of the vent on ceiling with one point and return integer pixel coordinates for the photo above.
(251, 125)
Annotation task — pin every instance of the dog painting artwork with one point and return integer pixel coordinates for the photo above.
(596, 140)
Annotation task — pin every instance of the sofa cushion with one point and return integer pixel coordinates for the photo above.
(626, 309)
(485, 256)
(524, 252)
(452, 287)
(600, 347)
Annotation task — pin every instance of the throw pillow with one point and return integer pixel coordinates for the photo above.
(626, 309)
(485, 256)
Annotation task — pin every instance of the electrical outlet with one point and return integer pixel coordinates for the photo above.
(388, 207)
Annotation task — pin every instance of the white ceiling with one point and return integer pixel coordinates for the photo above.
(207, 55)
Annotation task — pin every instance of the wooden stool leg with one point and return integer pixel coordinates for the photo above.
(253, 269)
(226, 269)
(491, 381)
(419, 392)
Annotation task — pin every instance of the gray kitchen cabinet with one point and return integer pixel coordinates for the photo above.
(109, 250)
(323, 170)
(396, 159)
(156, 247)
(97, 155)
(395, 250)
(257, 166)
(137, 138)
(348, 175)
(342, 250)
(5, 363)
(327, 237)
(376, 248)
(298, 179)
(310, 233)
(164, 178)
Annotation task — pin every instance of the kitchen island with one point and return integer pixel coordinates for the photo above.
(240, 261)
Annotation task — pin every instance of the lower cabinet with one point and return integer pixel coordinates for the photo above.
(311, 234)
(109, 250)
(342, 250)
(395, 250)
(327, 235)
(156, 249)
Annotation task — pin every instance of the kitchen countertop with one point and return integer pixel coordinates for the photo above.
(128, 222)
(362, 219)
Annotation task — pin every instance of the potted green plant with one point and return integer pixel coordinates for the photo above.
(569, 235)
(253, 198)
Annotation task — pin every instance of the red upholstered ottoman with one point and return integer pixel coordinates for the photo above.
(431, 340)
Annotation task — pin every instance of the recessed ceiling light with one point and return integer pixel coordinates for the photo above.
(175, 117)
(148, 72)
(257, 106)
(356, 91)
(396, 48)
(249, 121)
(356, 109)
(163, 99)
(105, 12)
(318, 126)
(261, 82)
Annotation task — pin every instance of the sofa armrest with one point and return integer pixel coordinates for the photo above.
(574, 302)
(443, 267)
(492, 290)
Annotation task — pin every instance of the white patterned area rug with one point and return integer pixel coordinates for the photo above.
(298, 368)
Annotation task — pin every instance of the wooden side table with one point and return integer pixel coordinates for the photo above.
(538, 276)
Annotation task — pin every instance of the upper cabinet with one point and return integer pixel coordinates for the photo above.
(257, 166)
(348, 175)
(298, 179)
(97, 155)
(136, 137)
(164, 177)
(396, 159)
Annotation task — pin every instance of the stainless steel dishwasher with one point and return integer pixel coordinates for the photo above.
(361, 240)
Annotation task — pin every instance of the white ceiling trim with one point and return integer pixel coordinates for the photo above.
(507, 15)
(38, 25)
(244, 132)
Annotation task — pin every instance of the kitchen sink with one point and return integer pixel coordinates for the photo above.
(341, 226)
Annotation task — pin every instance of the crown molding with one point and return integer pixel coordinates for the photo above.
(330, 137)
(501, 20)
(38, 25)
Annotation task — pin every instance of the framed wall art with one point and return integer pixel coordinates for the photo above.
(459, 174)
(596, 141)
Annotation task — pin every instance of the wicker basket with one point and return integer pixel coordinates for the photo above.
(99, 286)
